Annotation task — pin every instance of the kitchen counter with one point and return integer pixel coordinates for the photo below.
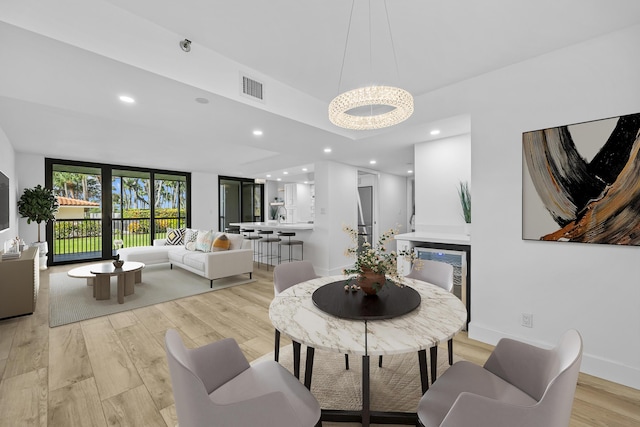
(274, 226)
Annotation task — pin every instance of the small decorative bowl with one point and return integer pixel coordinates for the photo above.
(118, 264)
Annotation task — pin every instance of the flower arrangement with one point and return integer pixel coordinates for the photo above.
(376, 259)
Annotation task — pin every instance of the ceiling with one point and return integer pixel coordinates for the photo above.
(64, 64)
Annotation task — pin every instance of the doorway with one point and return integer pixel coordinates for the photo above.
(240, 201)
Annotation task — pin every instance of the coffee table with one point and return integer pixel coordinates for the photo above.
(99, 275)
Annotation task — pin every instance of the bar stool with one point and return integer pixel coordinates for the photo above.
(254, 238)
(266, 253)
(289, 244)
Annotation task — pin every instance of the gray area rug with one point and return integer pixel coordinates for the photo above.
(71, 300)
(394, 387)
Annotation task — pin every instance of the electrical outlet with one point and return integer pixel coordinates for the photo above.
(527, 320)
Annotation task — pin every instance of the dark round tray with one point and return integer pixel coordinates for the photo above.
(392, 301)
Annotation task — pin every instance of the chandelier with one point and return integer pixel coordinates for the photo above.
(370, 107)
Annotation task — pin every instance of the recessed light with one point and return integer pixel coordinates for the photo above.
(434, 132)
(372, 162)
(327, 150)
(278, 179)
(202, 100)
(285, 173)
(409, 171)
(269, 176)
(306, 182)
(304, 169)
(127, 99)
(257, 132)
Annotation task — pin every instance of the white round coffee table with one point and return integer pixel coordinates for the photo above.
(99, 275)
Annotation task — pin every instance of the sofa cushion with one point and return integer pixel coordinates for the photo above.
(195, 260)
(236, 241)
(191, 246)
(221, 243)
(175, 236)
(204, 241)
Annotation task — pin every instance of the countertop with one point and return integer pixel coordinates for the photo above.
(274, 226)
(435, 237)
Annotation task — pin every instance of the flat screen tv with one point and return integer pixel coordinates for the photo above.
(4, 202)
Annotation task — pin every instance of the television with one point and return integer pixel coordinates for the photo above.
(4, 202)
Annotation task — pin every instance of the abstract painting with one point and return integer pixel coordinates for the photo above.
(581, 183)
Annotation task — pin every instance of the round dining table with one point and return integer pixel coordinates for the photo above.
(437, 318)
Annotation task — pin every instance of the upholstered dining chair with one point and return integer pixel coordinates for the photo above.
(519, 385)
(214, 385)
(439, 274)
(285, 276)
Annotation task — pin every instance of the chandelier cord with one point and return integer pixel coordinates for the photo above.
(393, 47)
(370, 58)
(346, 43)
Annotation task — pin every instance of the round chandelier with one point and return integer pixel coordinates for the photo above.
(400, 100)
(375, 106)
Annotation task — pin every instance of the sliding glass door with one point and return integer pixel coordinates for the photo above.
(240, 201)
(105, 207)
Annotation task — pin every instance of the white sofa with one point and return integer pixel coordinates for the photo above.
(211, 265)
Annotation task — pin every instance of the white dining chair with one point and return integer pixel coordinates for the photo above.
(439, 274)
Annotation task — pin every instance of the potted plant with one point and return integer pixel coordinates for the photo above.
(39, 205)
(465, 202)
(374, 264)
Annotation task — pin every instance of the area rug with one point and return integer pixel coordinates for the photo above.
(71, 300)
(394, 387)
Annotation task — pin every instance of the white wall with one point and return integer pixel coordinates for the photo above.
(204, 201)
(593, 288)
(442, 165)
(7, 166)
(335, 207)
(30, 172)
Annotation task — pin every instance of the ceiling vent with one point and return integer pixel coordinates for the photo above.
(252, 88)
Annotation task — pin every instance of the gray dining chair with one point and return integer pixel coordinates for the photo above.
(439, 274)
(215, 385)
(285, 276)
(519, 385)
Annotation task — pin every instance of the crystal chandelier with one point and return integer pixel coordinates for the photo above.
(387, 105)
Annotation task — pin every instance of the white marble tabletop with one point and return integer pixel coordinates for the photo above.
(439, 317)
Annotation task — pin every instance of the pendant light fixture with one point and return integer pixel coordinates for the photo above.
(395, 103)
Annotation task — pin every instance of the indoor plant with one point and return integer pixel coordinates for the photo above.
(38, 204)
(373, 263)
(464, 193)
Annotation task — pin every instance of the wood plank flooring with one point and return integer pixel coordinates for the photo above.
(112, 371)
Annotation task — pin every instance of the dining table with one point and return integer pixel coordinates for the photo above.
(325, 313)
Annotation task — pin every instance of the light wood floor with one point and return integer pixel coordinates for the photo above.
(112, 370)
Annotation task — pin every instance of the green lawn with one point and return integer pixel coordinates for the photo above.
(94, 244)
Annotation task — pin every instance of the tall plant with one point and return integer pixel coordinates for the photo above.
(465, 201)
(38, 204)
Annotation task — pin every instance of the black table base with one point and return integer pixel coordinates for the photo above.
(365, 416)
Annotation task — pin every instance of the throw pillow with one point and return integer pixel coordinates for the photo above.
(175, 236)
(191, 246)
(222, 243)
(204, 241)
(190, 235)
